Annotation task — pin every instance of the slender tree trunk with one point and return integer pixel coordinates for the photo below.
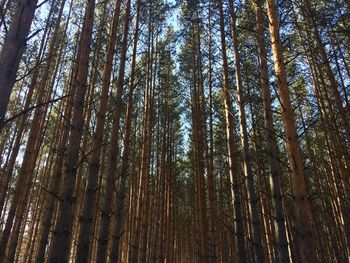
(233, 171)
(60, 243)
(53, 189)
(86, 218)
(142, 202)
(146, 153)
(25, 176)
(303, 224)
(253, 199)
(121, 191)
(344, 117)
(23, 119)
(56, 179)
(114, 145)
(271, 143)
(210, 149)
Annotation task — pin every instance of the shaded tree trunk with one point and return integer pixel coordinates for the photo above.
(60, 242)
(121, 191)
(106, 212)
(12, 51)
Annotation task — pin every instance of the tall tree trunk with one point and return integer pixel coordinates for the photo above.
(23, 119)
(253, 199)
(114, 145)
(210, 150)
(55, 183)
(26, 174)
(146, 152)
(233, 171)
(12, 51)
(138, 239)
(271, 143)
(60, 242)
(344, 117)
(303, 224)
(86, 218)
(121, 191)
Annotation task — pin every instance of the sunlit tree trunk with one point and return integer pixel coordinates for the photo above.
(253, 199)
(271, 143)
(233, 171)
(303, 224)
(86, 218)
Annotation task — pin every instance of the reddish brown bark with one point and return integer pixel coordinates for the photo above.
(303, 224)
(60, 242)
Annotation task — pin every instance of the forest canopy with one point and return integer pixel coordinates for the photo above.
(174, 131)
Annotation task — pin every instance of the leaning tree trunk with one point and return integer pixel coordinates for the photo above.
(25, 176)
(12, 51)
(23, 119)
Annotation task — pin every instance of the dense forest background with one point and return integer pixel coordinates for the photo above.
(174, 131)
